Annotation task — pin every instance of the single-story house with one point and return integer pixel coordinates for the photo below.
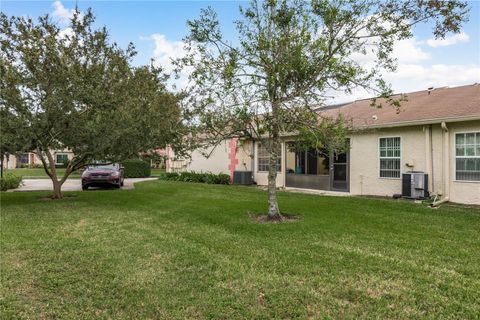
(31, 160)
(437, 131)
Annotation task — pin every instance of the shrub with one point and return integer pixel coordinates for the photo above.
(10, 181)
(136, 168)
(198, 177)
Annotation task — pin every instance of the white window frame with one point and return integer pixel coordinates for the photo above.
(462, 157)
(379, 157)
(279, 157)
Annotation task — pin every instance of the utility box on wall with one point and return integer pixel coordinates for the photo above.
(415, 185)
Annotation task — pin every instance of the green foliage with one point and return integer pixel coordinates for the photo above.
(79, 91)
(136, 168)
(198, 177)
(10, 181)
(13, 135)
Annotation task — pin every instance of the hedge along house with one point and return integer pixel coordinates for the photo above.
(437, 131)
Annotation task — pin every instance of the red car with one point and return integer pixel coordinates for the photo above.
(103, 175)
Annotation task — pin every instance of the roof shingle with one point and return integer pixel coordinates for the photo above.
(421, 107)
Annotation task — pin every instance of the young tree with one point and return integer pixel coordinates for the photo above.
(288, 56)
(75, 90)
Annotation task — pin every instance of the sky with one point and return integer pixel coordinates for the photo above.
(158, 27)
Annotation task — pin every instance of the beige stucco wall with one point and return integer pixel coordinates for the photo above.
(462, 191)
(417, 148)
(9, 162)
(12, 163)
(218, 160)
(364, 161)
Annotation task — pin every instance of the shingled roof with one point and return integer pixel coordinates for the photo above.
(422, 107)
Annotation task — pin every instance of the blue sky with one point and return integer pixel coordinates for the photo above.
(157, 28)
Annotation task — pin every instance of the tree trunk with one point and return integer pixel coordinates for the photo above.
(273, 209)
(57, 189)
(57, 185)
(1, 167)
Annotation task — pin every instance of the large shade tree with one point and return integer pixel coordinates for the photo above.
(288, 57)
(74, 89)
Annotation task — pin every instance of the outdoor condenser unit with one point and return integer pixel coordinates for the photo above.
(242, 177)
(415, 185)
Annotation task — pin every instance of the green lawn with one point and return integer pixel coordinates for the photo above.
(157, 172)
(34, 173)
(176, 250)
(40, 173)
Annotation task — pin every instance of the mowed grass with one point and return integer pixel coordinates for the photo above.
(37, 173)
(171, 250)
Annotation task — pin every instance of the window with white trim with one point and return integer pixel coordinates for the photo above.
(264, 157)
(61, 158)
(390, 157)
(467, 156)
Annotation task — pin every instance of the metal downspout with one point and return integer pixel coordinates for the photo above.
(445, 166)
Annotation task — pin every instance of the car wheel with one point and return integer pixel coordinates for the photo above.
(84, 188)
(121, 184)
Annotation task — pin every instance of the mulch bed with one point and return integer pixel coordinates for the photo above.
(65, 196)
(263, 218)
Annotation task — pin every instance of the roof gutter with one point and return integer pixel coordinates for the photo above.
(392, 125)
(419, 122)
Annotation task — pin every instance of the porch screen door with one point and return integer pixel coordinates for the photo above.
(339, 174)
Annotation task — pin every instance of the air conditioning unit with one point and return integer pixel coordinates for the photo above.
(415, 185)
(242, 177)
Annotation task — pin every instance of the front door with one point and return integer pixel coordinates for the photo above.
(339, 172)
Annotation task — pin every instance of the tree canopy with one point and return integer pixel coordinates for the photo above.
(76, 90)
(288, 57)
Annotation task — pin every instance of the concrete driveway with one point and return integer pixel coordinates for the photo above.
(69, 184)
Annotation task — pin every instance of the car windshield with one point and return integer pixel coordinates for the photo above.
(104, 167)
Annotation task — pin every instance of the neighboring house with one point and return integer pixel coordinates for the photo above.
(30, 159)
(436, 131)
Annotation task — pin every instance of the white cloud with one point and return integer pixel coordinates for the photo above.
(416, 70)
(63, 14)
(448, 41)
(415, 77)
(164, 52)
(412, 77)
(407, 50)
(412, 73)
